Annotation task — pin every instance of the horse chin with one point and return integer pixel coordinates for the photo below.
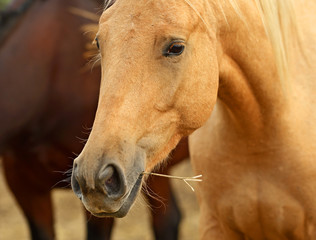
(127, 204)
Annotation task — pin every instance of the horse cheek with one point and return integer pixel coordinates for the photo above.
(198, 101)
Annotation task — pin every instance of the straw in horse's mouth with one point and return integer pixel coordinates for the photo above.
(197, 178)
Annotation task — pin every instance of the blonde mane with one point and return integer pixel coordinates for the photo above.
(281, 27)
(280, 24)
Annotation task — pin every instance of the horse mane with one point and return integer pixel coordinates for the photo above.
(280, 23)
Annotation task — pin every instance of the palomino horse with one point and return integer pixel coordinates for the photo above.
(45, 100)
(236, 74)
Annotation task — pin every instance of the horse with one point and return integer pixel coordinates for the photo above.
(238, 78)
(46, 97)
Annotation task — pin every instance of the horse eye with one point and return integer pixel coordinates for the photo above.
(97, 42)
(174, 49)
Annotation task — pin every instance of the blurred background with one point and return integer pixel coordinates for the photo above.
(48, 97)
(3, 3)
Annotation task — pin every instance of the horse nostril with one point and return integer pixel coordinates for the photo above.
(75, 184)
(111, 179)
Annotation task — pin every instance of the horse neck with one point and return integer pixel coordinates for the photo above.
(250, 95)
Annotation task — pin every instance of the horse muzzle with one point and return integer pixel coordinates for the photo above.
(106, 191)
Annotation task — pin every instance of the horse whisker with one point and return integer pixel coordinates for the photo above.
(152, 194)
(66, 180)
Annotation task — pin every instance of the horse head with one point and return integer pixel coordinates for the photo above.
(159, 84)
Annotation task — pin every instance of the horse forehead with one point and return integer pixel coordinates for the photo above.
(147, 13)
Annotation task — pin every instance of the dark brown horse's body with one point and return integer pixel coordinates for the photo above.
(45, 101)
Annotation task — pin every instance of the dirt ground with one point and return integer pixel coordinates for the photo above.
(70, 222)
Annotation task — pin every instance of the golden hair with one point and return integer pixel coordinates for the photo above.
(279, 21)
(278, 17)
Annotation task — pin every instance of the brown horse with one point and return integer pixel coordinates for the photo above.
(45, 100)
(241, 75)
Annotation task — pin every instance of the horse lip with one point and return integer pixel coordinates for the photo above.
(122, 212)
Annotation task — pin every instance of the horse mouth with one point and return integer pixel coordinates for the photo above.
(122, 212)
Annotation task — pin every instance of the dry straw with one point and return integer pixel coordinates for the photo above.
(197, 178)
